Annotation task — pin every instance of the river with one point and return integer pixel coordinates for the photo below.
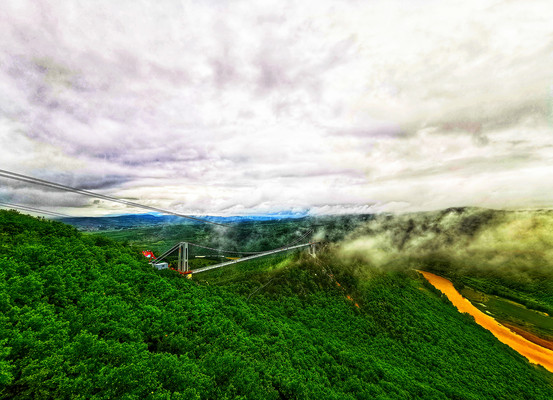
(534, 353)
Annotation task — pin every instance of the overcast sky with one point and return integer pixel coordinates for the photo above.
(232, 107)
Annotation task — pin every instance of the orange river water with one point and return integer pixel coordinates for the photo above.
(533, 352)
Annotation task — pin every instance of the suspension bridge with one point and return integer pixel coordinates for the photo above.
(183, 255)
(181, 247)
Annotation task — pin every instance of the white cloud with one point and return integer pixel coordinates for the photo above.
(228, 107)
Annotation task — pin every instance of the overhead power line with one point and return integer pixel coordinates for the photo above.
(32, 209)
(58, 186)
(53, 185)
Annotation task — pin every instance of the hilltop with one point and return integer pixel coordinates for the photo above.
(127, 221)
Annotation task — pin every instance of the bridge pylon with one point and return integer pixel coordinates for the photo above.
(182, 265)
(313, 250)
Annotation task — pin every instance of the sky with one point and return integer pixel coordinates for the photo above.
(250, 107)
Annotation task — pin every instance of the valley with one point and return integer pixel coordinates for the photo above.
(86, 316)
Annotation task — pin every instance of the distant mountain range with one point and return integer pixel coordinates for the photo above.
(140, 220)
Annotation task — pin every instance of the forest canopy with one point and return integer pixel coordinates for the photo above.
(84, 317)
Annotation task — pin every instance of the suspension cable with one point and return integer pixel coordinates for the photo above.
(42, 182)
(33, 209)
(165, 254)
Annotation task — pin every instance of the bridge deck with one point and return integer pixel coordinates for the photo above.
(224, 264)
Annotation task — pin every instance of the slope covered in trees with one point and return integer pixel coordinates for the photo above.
(83, 317)
(503, 253)
(238, 236)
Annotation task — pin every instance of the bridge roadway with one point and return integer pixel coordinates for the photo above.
(224, 264)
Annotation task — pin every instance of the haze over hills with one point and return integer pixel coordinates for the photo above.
(137, 220)
(490, 252)
(85, 316)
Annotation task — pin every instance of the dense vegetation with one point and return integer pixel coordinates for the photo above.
(505, 253)
(83, 317)
(246, 236)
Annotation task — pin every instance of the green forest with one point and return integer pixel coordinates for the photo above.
(86, 317)
(245, 236)
(502, 253)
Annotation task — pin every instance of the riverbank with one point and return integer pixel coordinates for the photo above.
(533, 352)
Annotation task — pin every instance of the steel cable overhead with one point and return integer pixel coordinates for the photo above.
(53, 185)
(33, 209)
(300, 238)
(252, 252)
(58, 186)
(245, 252)
(224, 251)
(174, 248)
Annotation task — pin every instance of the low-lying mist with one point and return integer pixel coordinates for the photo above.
(513, 245)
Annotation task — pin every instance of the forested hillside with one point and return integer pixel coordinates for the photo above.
(508, 253)
(83, 317)
(243, 236)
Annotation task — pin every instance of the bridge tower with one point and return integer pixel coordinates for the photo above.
(183, 257)
(312, 250)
